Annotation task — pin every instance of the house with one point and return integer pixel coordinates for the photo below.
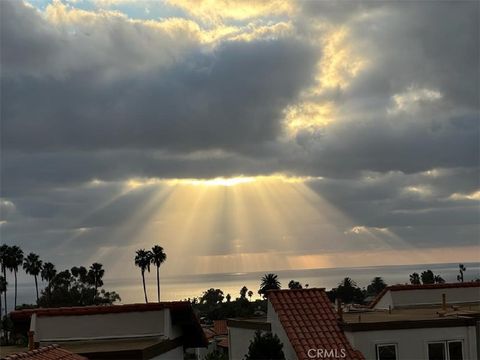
(51, 352)
(303, 319)
(439, 321)
(430, 294)
(404, 322)
(134, 331)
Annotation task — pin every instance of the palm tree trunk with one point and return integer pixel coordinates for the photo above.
(36, 287)
(5, 293)
(158, 283)
(144, 287)
(15, 307)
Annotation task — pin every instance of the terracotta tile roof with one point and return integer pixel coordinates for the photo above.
(403, 287)
(310, 322)
(220, 327)
(209, 333)
(223, 343)
(52, 352)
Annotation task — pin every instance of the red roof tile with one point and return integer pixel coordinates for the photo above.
(223, 343)
(52, 352)
(220, 327)
(310, 322)
(423, 287)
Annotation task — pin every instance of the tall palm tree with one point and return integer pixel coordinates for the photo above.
(4, 251)
(158, 258)
(47, 274)
(3, 289)
(32, 266)
(15, 260)
(269, 282)
(143, 259)
(95, 275)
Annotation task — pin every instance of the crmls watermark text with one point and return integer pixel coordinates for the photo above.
(326, 354)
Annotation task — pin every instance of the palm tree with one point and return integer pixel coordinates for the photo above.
(250, 294)
(415, 279)
(158, 258)
(4, 251)
(269, 282)
(48, 273)
(15, 260)
(3, 289)
(32, 266)
(95, 275)
(143, 260)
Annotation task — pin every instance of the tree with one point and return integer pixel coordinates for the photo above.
(4, 251)
(294, 285)
(228, 297)
(158, 258)
(438, 279)
(15, 260)
(94, 276)
(415, 279)
(349, 292)
(427, 277)
(243, 292)
(376, 286)
(269, 282)
(216, 355)
(143, 260)
(461, 270)
(250, 294)
(265, 346)
(32, 266)
(77, 287)
(212, 297)
(3, 289)
(47, 274)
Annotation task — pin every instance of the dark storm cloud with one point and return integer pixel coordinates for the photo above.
(229, 98)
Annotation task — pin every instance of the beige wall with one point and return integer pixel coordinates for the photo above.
(104, 326)
(239, 341)
(412, 343)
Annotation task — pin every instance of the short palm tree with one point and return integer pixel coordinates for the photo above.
(32, 266)
(158, 258)
(269, 282)
(4, 251)
(143, 259)
(15, 260)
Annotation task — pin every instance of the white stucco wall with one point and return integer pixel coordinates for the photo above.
(239, 341)
(104, 325)
(412, 343)
(277, 329)
(428, 296)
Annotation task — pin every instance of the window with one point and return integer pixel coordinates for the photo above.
(387, 352)
(445, 350)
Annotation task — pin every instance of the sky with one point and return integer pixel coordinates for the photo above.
(240, 136)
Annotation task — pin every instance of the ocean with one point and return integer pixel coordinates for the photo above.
(190, 286)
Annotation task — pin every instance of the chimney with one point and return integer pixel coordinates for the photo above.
(339, 309)
(444, 302)
(31, 344)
